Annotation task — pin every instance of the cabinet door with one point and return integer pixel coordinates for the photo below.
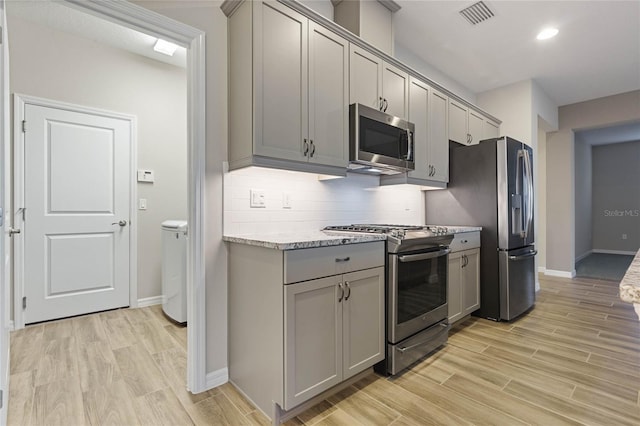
(439, 140)
(471, 281)
(365, 78)
(491, 130)
(363, 320)
(312, 339)
(328, 97)
(476, 125)
(458, 122)
(419, 116)
(395, 91)
(454, 287)
(280, 80)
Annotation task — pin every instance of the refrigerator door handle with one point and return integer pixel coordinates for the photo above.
(529, 181)
(520, 210)
(524, 256)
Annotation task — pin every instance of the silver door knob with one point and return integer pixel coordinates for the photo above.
(13, 231)
(121, 223)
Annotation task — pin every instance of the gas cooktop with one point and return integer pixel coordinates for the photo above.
(402, 237)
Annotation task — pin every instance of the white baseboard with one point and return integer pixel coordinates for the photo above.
(631, 253)
(583, 255)
(541, 269)
(537, 286)
(149, 301)
(11, 325)
(216, 378)
(561, 274)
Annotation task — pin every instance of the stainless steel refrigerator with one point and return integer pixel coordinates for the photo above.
(491, 185)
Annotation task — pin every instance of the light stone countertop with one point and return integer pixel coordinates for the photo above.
(316, 238)
(630, 284)
(301, 240)
(461, 229)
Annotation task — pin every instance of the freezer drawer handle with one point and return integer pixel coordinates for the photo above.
(430, 255)
(427, 340)
(524, 256)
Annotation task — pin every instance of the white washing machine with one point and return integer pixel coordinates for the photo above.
(174, 269)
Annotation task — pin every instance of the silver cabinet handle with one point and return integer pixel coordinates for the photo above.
(13, 231)
(386, 104)
(120, 222)
(346, 285)
(305, 148)
(342, 259)
(434, 171)
(381, 104)
(341, 292)
(313, 148)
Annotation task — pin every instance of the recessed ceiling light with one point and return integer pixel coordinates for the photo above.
(547, 33)
(165, 47)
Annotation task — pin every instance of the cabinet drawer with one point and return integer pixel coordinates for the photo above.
(307, 264)
(465, 241)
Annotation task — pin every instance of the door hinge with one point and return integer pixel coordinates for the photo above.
(24, 126)
(24, 302)
(1, 395)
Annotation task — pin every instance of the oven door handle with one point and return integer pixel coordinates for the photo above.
(423, 256)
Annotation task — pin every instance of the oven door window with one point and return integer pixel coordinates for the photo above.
(382, 139)
(422, 287)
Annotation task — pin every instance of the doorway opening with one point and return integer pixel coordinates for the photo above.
(133, 17)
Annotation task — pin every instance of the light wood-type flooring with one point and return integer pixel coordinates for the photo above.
(574, 359)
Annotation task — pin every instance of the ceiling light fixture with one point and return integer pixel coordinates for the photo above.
(547, 33)
(165, 47)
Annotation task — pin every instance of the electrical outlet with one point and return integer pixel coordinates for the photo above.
(624, 236)
(257, 198)
(286, 200)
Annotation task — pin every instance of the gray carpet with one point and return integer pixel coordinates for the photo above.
(603, 266)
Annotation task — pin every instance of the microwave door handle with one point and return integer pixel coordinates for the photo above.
(409, 145)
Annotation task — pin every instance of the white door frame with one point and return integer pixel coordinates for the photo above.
(5, 215)
(19, 103)
(149, 22)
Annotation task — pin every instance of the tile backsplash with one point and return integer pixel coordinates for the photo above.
(314, 203)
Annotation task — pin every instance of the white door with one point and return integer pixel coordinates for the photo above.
(76, 199)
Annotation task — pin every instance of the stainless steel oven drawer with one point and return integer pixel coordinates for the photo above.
(410, 350)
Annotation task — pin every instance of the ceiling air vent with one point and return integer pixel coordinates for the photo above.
(476, 13)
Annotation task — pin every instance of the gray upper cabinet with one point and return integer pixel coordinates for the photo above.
(468, 126)
(328, 97)
(280, 67)
(428, 111)
(291, 77)
(377, 84)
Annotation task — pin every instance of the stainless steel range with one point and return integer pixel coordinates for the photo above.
(417, 258)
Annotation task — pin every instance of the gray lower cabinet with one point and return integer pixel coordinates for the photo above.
(303, 321)
(463, 289)
(333, 330)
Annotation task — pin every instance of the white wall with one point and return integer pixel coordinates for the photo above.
(583, 199)
(61, 66)
(315, 203)
(410, 59)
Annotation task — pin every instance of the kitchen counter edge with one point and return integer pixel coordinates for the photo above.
(296, 241)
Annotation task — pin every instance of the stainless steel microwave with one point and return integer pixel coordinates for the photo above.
(379, 143)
